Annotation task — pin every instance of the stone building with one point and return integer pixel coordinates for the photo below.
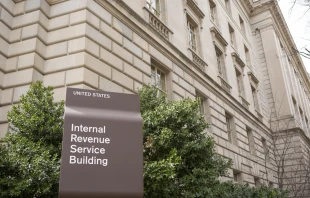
(236, 55)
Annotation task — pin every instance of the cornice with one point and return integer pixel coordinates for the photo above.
(247, 4)
(253, 77)
(216, 34)
(237, 59)
(52, 2)
(194, 6)
(281, 28)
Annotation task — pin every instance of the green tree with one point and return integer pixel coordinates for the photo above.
(179, 160)
(30, 153)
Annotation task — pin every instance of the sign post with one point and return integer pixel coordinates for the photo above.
(102, 146)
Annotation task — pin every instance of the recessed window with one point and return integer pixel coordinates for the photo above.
(230, 128)
(158, 79)
(227, 5)
(239, 77)
(231, 35)
(192, 37)
(202, 104)
(265, 148)
(212, 11)
(154, 7)
(242, 25)
(255, 99)
(237, 176)
(220, 63)
(247, 56)
(251, 140)
(257, 182)
(271, 185)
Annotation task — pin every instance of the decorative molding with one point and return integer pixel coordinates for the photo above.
(216, 34)
(253, 77)
(194, 6)
(282, 30)
(225, 85)
(158, 25)
(259, 115)
(237, 59)
(198, 60)
(52, 2)
(245, 103)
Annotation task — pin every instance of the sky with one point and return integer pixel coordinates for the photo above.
(299, 25)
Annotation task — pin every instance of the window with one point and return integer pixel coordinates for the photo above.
(228, 123)
(154, 7)
(254, 96)
(227, 5)
(247, 56)
(251, 140)
(192, 38)
(257, 182)
(237, 176)
(302, 121)
(213, 11)
(265, 148)
(271, 185)
(201, 99)
(242, 25)
(295, 108)
(230, 129)
(158, 79)
(240, 82)
(231, 35)
(220, 63)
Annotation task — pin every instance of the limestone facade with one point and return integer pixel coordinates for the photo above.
(236, 55)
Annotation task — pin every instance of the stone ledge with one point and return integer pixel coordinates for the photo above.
(52, 2)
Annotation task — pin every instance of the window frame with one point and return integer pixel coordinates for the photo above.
(192, 34)
(251, 140)
(213, 11)
(247, 56)
(156, 70)
(242, 25)
(155, 10)
(232, 36)
(257, 182)
(237, 177)
(265, 148)
(255, 97)
(240, 84)
(228, 6)
(231, 131)
(220, 62)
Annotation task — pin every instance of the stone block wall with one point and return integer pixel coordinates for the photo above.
(104, 46)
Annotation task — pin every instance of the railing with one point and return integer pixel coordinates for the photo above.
(225, 85)
(198, 61)
(156, 23)
(244, 102)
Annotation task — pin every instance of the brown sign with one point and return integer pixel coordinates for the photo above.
(102, 146)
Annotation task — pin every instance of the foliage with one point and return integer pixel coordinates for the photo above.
(179, 159)
(231, 190)
(30, 155)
